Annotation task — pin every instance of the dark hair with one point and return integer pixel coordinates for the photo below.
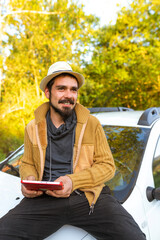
(51, 82)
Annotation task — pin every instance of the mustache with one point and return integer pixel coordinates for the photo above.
(66, 101)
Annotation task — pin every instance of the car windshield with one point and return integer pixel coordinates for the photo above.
(127, 145)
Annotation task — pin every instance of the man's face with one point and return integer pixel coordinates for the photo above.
(63, 95)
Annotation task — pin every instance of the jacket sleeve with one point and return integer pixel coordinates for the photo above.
(103, 167)
(27, 167)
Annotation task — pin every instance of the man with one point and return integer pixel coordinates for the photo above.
(65, 143)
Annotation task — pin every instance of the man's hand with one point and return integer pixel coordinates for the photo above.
(30, 193)
(67, 182)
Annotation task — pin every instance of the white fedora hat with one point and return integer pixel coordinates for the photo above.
(58, 68)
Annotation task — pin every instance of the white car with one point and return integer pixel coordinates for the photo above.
(134, 138)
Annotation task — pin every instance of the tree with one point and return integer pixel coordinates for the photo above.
(124, 70)
(41, 33)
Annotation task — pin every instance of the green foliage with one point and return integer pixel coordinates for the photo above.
(41, 33)
(124, 69)
(11, 136)
(2, 155)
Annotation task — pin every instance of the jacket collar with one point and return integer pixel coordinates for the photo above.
(82, 113)
(41, 112)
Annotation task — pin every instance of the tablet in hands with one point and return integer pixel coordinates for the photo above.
(42, 185)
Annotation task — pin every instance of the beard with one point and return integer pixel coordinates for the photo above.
(66, 112)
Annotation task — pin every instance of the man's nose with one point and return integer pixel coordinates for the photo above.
(68, 94)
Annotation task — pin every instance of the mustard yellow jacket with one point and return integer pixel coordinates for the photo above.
(93, 163)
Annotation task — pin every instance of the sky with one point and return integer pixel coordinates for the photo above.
(106, 10)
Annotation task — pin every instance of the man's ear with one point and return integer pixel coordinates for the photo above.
(47, 93)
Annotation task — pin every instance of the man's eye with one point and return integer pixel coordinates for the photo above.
(74, 89)
(61, 88)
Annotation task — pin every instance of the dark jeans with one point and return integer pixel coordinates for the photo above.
(37, 218)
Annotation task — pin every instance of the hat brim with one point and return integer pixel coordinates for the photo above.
(46, 80)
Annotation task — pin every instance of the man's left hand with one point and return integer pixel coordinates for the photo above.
(67, 183)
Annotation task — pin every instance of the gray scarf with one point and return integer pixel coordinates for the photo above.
(59, 152)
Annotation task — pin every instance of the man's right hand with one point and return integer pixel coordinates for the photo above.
(30, 193)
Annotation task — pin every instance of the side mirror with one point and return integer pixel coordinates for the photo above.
(153, 193)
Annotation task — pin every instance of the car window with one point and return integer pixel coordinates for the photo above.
(127, 145)
(156, 165)
(11, 164)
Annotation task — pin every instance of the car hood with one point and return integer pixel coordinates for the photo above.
(11, 195)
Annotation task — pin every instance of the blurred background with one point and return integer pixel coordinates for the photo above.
(114, 44)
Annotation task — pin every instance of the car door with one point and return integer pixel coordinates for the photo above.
(152, 208)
